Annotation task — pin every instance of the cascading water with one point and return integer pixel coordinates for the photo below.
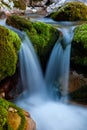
(3, 22)
(31, 75)
(57, 73)
(48, 114)
(30, 70)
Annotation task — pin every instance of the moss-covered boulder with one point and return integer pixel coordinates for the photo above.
(9, 47)
(7, 110)
(43, 36)
(79, 46)
(21, 4)
(14, 118)
(71, 11)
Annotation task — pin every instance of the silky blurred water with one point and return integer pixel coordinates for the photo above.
(48, 113)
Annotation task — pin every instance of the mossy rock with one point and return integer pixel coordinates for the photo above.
(43, 36)
(71, 11)
(79, 46)
(9, 47)
(21, 4)
(11, 116)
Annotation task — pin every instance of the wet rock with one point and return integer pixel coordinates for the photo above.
(21, 4)
(78, 87)
(14, 118)
(30, 124)
(9, 46)
(76, 81)
(72, 11)
(79, 46)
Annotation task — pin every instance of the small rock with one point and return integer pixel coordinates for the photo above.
(12, 109)
(2, 95)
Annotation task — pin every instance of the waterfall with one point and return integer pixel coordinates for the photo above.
(57, 73)
(3, 22)
(31, 74)
(53, 70)
(48, 114)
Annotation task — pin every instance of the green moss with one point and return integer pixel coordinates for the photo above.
(9, 46)
(71, 11)
(4, 103)
(21, 114)
(7, 35)
(21, 4)
(43, 36)
(80, 35)
(19, 22)
(3, 117)
(79, 46)
(4, 124)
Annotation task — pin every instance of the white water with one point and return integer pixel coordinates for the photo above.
(58, 116)
(3, 22)
(48, 114)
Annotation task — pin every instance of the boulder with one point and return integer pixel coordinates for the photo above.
(42, 35)
(71, 11)
(76, 81)
(14, 118)
(77, 90)
(9, 47)
(21, 4)
(79, 46)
